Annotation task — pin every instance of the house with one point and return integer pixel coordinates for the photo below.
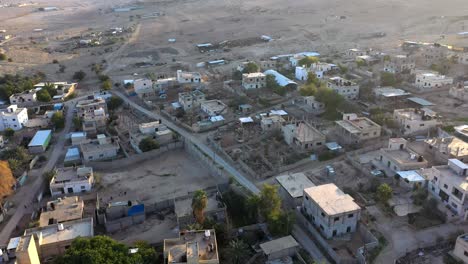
(389, 93)
(460, 252)
(267, 64)
(40, 141)
(433, 54)
(121, 214)
(103, 148)
(411, 178)
(330, 210)
(445, 148)
(279, 248)
(412, 120)
(292, 188)
(63, 88)
(399, 64)
(215, 209)
(72, 180)
(213, 107)
(253, 80)
(88, 106)
(398, 157)
(303, 135)
(448, 184)
(282, 80)
(353, 129)
(459, 92)
(144, 88)
(428, 80)
(191, 100)
(94, 121)
(245, 108)
(353, 53)
(192, 247)
(26, 251)
(302, 73)
(77, 138)
(156, 130)
(72, 157)
(345, 88)
(62, 210)
(13, 117)
(270, 122)
(188, 77)
(26, 97)
(313, 105)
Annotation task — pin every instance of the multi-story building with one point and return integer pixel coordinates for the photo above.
(399, 64)
(24, 98)
(353, 129)
(429, 80)
(330, 210)
(188, 77)
(314, 105)
(445, 148)
(95, 121)
(433, 54)
(253, 80)
(72, 180)
(144, 88)
(13, 117)
(62, 210)
(213, 107)
(103, 148)
(303, 136)
(192, 247)
(461, 248)
(459, 92)
(412, 120)
(448, 184)
(191, 100)
(292, 188)
(271, 122)
(346, 88)
(398, 157)
(85, 107)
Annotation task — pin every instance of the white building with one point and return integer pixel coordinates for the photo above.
(353, 129)
(459, 92)
(253, 80)
(191, 100)
(429, 80)
(271, 122)
(188, 77)
(24, 97)
(398, 157)
(71, 180)
(302, 73)
(461, 248)
(303, 136)
(399, 63)
(412, 120)
(330, 210)
(346, 88)
(13, 117)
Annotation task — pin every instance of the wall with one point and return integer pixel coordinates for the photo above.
(122, 223)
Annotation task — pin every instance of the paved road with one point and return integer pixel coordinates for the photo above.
(308, 244)
(191, 138)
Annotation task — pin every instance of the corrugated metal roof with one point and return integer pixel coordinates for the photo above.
(420, 101)
(40, 138)
(280, 79)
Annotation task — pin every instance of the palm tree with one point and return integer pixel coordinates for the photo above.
(199, 202)
(238, 251)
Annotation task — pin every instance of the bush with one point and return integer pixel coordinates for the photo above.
(114, 102)
(148, 144)
(55, 61)
(43, 96)
(58, 120)
(388, 79)
(250, 68)
(106, 85)
(79, 75)
(9, 132)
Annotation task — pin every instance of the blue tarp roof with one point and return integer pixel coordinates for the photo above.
(40, 138)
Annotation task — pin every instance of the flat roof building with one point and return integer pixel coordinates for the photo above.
(303, 136)
(398, 157)
(428, 80)
(62, 210)
(461, 248)
(191, 100)
(412, 120)
(40, 141)
(447, 148)
(102, 148)
(353, 129)
(343, 87)
(280, 248)
(292, 188)
(72, 180)
(215, 209)
(13, 117)
(213, 107)
(192, 247)
(188, 77)
(253, 80)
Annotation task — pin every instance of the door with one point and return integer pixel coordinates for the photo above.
(70, 190)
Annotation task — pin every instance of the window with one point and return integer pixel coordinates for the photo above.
(348, 229)
(307, 197)
(336, 219)
(421, 125)
(14, 119)
(435, 178)
(83, 187)
(334, 233)
(322, 214)
(445, 186)
(350, 215)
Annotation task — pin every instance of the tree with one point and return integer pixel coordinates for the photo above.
(43, 96)
(106, 85)
(237, 251)
(50, 88)
(308, 89)
(79, 75)
(148, 144)
(104, 250)
(9, 132)
(103, 77)
(283, 225)
(3, 56)
(237, 75)
(250, 68)
(270, 202)
(384, 192)
(199, 202)
(271, 82)
(114, 102)
(388, 79)
(307, 61)
(58, 120)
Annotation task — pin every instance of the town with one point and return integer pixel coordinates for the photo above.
(140, 133)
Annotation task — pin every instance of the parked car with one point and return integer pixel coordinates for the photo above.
(330, 170)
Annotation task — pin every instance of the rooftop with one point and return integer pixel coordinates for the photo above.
(339, 81)
(192, 246)
(72, 174)
(411, 176)
(390, 92)
(253, 75)
(95, 145)
(96, 101)
(452, 146)
(306, 132)
(420, 101)
(62, 210)
(414, 114)
(405, 156)
(331, 199)
(40, 138)
(63, 232)
(357, 125)
(295, 183)
(214, 105)
(278, 245)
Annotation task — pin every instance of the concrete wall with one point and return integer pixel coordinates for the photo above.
(122, 223)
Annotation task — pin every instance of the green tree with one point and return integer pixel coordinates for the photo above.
(308, 89)
(237, 252)
(43, 96)
(237, 75)
(114, 102)
(103, 77)
(283, 225)
(388, 79)
(307, 61)
(271, 82)
(77, 123)
(251, 67)
(9, 132)
(106, 85)
(50, 88)
(79, 75)
(270, 202)
(384, 192)
(148, 144)
(58, 120)
(199, 202)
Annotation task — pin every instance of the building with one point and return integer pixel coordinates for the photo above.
(2, 142)
(213, 107)
(292, 188)
(399, 64)
(270, 122)
(54, 240)
(461, 248)
(389, 93)
(62, 210)
(156, 130)
(253, 80)
(353, 53)
(188, 77)
(72, 180)
(412, 120)
(40, 141)
(282, 80)
(267, 64)
(77, 138)
(13, 117)
(303, 135)
(279, 248)
(318, 68)
(191, 100)
(312, 105)
(122, 214)
(215, 209)
(448, 184)
(63, 88)
(144, 88)
(302, 73)
(347, 89)
(103, 148)
(459, 92)
(87, 107)
(192, 247)
(26, 97)
(330, 210)
(433, 54)
(445, 148)
(462, 132)
(26, 251)
(95, 121)
(398, 157)
(72, 157)
(353, 129)
(428, 80)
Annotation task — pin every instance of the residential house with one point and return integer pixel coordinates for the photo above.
(188, 77)
(445, 148)
(353, 53)
(24, 98)
(156, 130)
(292, 188)
(460, 252)
(270, 122)
(62, 210)
(330, 210)
(433, 54)
(312, 105)
(192, 247)
(191, 100)
(144, 88)
(13, 117)
(77, 138)
(213, 107)
(280, 248)
(103, 148)
(85, 107)
(399, 64)
(345, 88)
(26, 251)
(122, 214)
(353, 129)
(459, 92)
(253, 80)
(302, 73)
(72, 180)
(412, 120)
(94, 122)
(303, 136)
(428, 80)
(267, 64)
(398, 157)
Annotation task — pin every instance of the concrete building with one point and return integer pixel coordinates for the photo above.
(314, 105)
(62, 210)
(95, 122)
(353, 53)
(40, 141)
(24, 98)
(156, 130)
(86, 107)
(13, 117)
(26, 251)
(412, 120)
(192, 247)
(267, 64)
(445, 148)
(433, 54)
(103, 148)
(448, 184)
(191, 100)
(353, 129)
(428, 80)
(213, 107)
(215, 209)
(77, 138)
(389, 93)
(459, 92)
(279, 248)
(330, 210)
(347, 89)
(303, 136)
(144, 88)
(398, 157)
(122, 214)
(269, 122)
(302, 73)
(292, 188)
(461, 248)
(72, 180)
(188, 77)
(253, 80)
(399, 64)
